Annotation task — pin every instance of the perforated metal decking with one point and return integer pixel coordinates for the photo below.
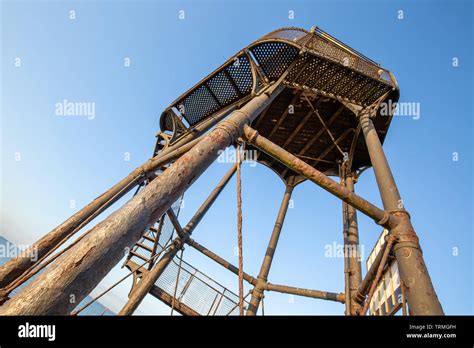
(323, 74)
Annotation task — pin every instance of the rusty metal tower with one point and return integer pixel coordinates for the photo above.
(334, 95)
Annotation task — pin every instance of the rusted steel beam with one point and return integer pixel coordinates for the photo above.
(385, 181)
(297, 130)
(323, 295)
(352, 149)
(149, 279)
(318, 135)
(261, 117)
(257, 71)
(17, 266)
(282, 117)
(312, 174)
(226, 264)
(351, 246)
(81, 268)
(205, 125)
(383, 263)
(168, 300)
(421, 295)
(361, 293)
(257, 291)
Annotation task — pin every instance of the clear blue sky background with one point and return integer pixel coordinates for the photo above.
(67, 158)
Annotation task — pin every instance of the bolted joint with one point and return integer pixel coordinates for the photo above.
(232, 127)
(385, 220)
(235, 124)
(257, 292)
(251, 135)
(358, 297)
(262, 281)
(178, 243)
(402, 230)
(259, 287)
(392, 218)
(400, 214)
(352, 175)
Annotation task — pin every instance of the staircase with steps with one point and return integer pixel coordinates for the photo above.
(196, 293)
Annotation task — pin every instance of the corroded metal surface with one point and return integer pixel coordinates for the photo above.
(421, 295)
(81, 268)
(321, 71)
(324, 295)
(308, 98)
(352, 254)
(61, 233)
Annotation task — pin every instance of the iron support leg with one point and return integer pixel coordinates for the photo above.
(351, 249)
(15, 267)
(421, 295)
(258, 289)
(78, 271)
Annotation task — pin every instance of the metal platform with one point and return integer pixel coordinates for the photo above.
(309, 118)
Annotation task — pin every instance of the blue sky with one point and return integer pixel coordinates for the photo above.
(75, 158)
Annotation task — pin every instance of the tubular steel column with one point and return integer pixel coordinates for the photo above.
(78, 271)
(258, 289)
(20, 264)
(351, 247)
(323, 295)
(15, 267)
(421, 295)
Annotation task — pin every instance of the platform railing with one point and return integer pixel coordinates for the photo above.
(197, 290)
